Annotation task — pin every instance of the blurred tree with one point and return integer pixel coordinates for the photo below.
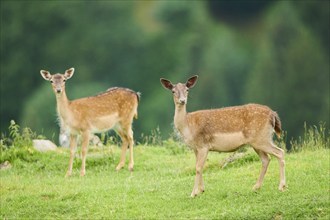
(225, 62)
(95, 38)
(21, 48)
(291, 73)
(316, 16)
(238, 12)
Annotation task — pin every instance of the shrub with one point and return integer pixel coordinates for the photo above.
(18, 146)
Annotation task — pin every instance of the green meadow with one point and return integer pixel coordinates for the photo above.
(34, 186)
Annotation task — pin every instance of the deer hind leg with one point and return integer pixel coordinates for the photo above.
(201, 155)
(84, 149)
(279, 153)
(73, 144)
(272, 149)
(131, 145)
(265, 162)
(126, 135)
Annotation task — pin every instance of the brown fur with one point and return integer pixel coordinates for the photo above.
(246, 119)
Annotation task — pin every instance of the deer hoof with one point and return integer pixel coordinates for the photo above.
(68, 174)
(131, 167)
(119, 167)
(282, 187)
(256, 187)
(196, 192)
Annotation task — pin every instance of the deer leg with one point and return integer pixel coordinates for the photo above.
(131, 145)
(123, 150)
(279, 154)
(201, 155)
(84, 148)
(265, 162)
(73, 143)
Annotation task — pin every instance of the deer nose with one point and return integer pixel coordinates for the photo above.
(182, 101)
(58, 90)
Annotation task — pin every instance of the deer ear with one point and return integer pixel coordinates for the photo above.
(45, 74)
(69, 73)
(166, 83)
(191, 81)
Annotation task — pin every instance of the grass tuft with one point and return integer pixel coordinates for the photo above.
(314, 138)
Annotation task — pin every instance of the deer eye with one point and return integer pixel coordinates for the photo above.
(51, 81)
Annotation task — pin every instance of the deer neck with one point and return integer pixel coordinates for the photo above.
(63, 109)
(180, 117)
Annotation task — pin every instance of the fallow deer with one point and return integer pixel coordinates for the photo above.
(112, 109)
(226, 130)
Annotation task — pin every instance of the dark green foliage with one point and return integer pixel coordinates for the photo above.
(276, 53)
(291, 73)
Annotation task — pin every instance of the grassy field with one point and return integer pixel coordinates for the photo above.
(160, 186)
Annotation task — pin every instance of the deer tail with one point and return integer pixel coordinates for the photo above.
(276, 122)
(138, 96)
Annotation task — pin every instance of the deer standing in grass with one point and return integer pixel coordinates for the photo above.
(113, 109)
(225, 130)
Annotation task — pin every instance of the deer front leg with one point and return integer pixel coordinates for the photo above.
(201, 155)
(73, 143)
(84, 148)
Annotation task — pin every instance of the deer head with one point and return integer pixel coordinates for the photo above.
(57, 80)
(179, 90)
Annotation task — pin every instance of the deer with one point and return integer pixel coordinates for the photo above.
(113, 109)
(226, 130)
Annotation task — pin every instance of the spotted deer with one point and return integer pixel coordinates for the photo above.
(226, 130)
(112, 109)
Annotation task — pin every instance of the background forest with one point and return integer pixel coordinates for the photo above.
(269, 52)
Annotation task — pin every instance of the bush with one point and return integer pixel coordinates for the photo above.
(18, 146)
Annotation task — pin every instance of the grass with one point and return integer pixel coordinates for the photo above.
(160, 186)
